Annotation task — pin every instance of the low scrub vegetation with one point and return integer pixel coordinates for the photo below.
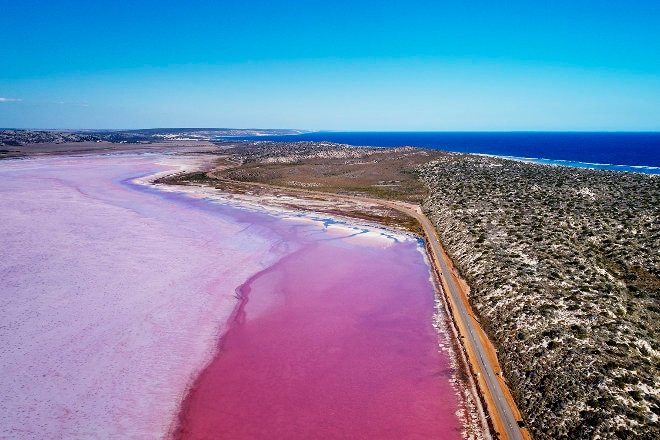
(564, 271)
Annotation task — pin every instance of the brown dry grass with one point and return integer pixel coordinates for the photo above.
(388, 174)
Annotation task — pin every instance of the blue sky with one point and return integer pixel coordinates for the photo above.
(341, 65)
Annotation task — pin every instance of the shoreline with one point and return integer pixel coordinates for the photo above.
(478, 406)
(639, 169)
(468, 413)
(535, 146)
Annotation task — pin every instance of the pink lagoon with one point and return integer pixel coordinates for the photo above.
(137, 311)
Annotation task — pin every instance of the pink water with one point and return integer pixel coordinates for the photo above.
(116, 298)
(332, 342)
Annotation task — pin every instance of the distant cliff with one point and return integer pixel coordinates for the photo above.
(15, 138)
(26, 137)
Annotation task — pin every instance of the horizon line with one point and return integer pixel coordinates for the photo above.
(306, 131)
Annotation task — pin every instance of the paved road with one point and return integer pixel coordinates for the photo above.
(502, 406)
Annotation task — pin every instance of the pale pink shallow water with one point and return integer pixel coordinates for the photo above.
(114, 296)
(111, 301)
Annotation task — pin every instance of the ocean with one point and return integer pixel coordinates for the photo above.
(619, 151)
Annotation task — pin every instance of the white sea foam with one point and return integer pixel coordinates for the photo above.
(577, 164)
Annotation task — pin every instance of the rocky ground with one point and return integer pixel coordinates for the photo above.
(30, 143)
(15, 138)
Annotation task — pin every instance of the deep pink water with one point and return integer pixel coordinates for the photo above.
(334, 341)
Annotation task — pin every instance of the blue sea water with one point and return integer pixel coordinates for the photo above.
(619, 151)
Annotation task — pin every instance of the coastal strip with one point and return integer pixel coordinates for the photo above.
(493, 394)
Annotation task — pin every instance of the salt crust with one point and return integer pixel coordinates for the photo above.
(112, 299)
(352, 231)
